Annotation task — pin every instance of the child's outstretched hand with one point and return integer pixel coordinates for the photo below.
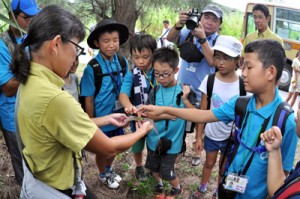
(145, 127)
(150, 110)
(118, 119)
(272, 138)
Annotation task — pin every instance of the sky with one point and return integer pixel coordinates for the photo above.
(241, 4)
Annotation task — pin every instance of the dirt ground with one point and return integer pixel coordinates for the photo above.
(124, 165)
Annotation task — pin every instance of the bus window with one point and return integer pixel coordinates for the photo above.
(250, 24)
(288, 24)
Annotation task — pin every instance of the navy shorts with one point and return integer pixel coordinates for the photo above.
(213, 145)
(162, 164)
(113, 133)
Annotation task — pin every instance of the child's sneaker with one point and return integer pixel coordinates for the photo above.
(198, 193)
(109, 181)
(115, 176)
(140, 174)
(175, 192)
(196, 161)
(159, 188)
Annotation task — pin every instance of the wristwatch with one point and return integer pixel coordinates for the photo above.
(202, 40)
(177, 28)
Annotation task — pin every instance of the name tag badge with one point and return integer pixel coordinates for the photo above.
(191, 69)
(236, 183)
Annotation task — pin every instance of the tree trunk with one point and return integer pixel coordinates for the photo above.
(124, 11)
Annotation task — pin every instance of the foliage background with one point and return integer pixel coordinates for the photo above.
(150, 13)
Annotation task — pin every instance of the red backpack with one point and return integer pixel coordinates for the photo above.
(291, 187)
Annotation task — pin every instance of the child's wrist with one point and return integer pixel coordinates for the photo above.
(274, 152)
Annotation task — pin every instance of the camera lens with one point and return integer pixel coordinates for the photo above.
(192, 22)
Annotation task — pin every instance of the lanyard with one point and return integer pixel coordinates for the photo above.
(256, 148)
(150, 81)
(116, 80)
(162, 95)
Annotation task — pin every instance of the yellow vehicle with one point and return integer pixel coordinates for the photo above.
(285, 22)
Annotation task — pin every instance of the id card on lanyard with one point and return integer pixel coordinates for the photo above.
(116, 80)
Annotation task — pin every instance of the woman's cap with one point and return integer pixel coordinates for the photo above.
(228, 45)
(29, 7)
(108, 24)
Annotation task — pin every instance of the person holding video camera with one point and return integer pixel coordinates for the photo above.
(195, 42)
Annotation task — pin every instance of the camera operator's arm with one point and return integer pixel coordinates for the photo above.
(208, 52)
(175, 30)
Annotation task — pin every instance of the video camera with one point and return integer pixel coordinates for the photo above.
(193, 20)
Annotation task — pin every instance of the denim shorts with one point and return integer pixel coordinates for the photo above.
(113, 133)
(213, 145)
(162, 164)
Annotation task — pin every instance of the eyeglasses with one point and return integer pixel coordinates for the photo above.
(25, 17)
(164, 75)
(79, 49)
(225, 58)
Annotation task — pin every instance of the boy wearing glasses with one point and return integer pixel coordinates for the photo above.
(136, 87)
(165, 144)
(22, 13)
(263, 64)
(227, 51)
(107, 36)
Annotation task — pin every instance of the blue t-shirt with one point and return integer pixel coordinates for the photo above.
(7, 104)
(104, 102)
(257, 172)
(193, 73)
(175, 130)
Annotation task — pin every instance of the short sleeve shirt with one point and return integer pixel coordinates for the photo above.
(193, 73)
(104, 102)
(268, 34)
(52, 127)
(257, 172)
(7, 104)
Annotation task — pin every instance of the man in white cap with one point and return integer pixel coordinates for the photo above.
(196, 60)
(22, 13)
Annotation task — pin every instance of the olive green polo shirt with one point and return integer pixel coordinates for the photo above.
(267, 34)
(52, 126)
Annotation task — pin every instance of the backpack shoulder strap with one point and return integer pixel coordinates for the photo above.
(242, 87)
(98, 75)
(240, 109)
(281, 114)
(152, 95)
(209, 88)
(123, 64)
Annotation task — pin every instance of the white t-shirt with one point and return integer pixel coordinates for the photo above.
(72, 89)
(162, 39)
(221, 93)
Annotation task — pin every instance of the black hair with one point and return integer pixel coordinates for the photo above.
(269, 52)
(166, 55)
(263, 8)
(142, 41)
(166, 21)
(48, 23)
